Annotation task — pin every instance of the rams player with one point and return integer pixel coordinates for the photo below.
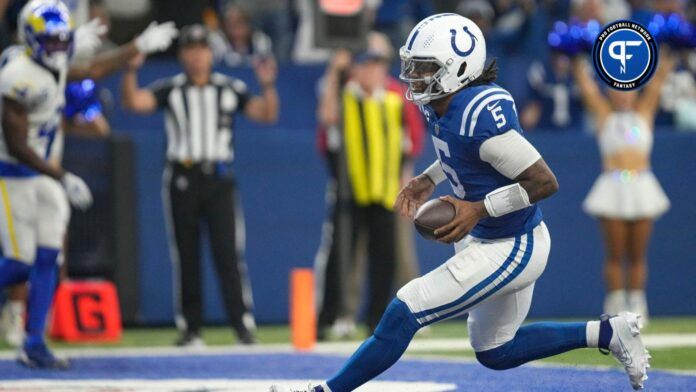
(501, 242)
(34, 213)
(34, 217)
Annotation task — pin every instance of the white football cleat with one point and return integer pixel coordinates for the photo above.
(15, 335)
(344, 329)
(12, 324)
(627, 347)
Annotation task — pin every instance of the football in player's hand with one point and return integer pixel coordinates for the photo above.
(432, 215)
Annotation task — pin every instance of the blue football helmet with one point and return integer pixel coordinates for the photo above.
(45, 27)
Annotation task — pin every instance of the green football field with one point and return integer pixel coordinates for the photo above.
(678, 354)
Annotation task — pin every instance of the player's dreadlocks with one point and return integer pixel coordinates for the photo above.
(489, 75)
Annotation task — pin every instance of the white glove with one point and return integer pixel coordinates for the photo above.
(88, 38)
(156, 37)
(78, 192)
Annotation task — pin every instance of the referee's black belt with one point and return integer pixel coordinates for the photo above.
(206, 167)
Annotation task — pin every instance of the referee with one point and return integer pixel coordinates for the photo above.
(198, 185)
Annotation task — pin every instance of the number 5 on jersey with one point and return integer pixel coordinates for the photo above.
(443, 151)
(497, 113)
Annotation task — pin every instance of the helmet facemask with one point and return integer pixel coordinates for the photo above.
(54, 50)
(423, 76)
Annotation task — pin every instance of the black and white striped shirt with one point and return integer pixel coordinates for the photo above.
(198, 119)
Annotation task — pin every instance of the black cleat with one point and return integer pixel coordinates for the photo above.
(246, 337)
(190, 340)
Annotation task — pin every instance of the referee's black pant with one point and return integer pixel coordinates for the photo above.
(193, 195)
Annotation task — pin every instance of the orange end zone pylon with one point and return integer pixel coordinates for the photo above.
(303, 326)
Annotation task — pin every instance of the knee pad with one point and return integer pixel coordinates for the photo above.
(496, 358)
(397, 318)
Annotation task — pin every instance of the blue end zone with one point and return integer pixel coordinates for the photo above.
(467, 376)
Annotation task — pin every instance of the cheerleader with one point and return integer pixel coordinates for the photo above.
(626, 197)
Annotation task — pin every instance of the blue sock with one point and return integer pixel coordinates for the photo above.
(391, 338)
(13, 272)
(535, 341)
(605, 333)
(42, 280)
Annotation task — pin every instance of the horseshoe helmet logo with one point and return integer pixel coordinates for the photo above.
(454, 42)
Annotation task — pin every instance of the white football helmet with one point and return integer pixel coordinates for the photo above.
(443, 53)
(46, 28)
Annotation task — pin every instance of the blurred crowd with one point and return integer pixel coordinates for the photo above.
(516, 32)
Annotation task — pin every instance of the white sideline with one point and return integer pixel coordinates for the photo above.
(418, 346)
(418, 352)
(222, 385)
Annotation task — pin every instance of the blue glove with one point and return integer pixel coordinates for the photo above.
(82, 98)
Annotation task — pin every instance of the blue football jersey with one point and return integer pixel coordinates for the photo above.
(476, 114)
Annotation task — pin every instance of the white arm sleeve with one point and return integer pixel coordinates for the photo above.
(510, 153)
(435, 172)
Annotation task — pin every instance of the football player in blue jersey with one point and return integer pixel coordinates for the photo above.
(501, 242)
